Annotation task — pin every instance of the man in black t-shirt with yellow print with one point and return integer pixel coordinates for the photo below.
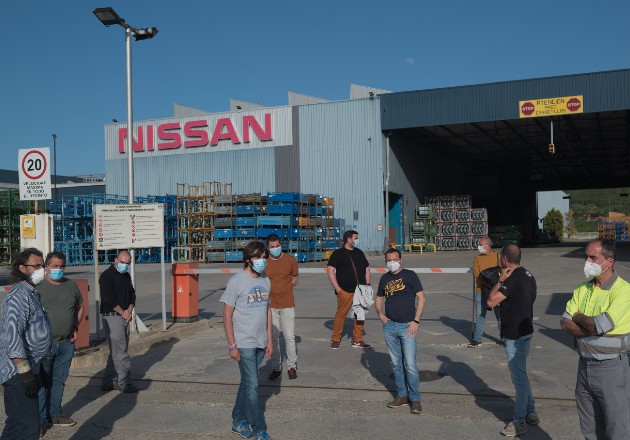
(401, 319)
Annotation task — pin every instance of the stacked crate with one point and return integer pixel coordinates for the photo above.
(459, 226)
(504, 235)
(332, 227)
(617, 231)
(10, 210)
(423, 229)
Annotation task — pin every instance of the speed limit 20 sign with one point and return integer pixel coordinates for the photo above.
(34, 171)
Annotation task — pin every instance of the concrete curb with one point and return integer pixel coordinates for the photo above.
(140, 343)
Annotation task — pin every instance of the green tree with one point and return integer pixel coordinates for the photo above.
(554, 224)
(569, 223)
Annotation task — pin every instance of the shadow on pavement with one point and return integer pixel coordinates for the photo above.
(486, 398)
(99, 426)
(346, 331)
(461, 326)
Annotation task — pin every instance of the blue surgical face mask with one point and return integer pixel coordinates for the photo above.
(122, 267)
(275, 252)
(55, 274)
(356, 243)
(259, 265)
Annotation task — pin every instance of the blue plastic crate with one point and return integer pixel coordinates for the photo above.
(283, 208)
(234, 256)
(223, 233)
(275, 220)
(283, 197)
(246, 233)
(247, 209)
(246, 221)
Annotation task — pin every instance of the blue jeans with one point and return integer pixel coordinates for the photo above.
(517, 351)
(247, 406)
(58, 368)
(402, 351)
(22, 419)
(480, 312)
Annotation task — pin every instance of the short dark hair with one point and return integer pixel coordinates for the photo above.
(391, 251)
(608, 248)
(20, 259)
(512, 253)
(272, 237)
(254, 249)
(347, 235)
(55, 254)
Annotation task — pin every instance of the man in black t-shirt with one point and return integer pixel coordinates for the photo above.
(516, 293)
(347, 267)
(401, 320)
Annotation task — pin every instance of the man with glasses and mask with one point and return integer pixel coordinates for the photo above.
(118, 299)
(63, 302)
(598, 317)
(404, 303)
(247, 325)
(25, 340)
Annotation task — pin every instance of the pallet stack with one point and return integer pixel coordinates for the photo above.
(423, 229)
(10, 210)
(617, 231)
(504, 235)
(332, 227)
(458, 225)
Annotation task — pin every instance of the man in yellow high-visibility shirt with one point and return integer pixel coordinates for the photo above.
(598, 316)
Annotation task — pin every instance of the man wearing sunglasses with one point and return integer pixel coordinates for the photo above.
(118, 298)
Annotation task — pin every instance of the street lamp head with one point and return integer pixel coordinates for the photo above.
(108, 16)
(145, 34)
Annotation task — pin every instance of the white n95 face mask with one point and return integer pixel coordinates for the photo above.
(481, 249)
(38, 276)
(592, 269)
(393, 266)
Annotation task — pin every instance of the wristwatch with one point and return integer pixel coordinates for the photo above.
(416, 321)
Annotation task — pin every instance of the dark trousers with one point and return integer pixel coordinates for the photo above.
(22, 412)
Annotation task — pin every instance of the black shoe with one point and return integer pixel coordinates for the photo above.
(274, 375)
(108, 387)
(292, 374)
(129, 388)
(474, 344)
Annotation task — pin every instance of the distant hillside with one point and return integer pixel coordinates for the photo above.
(589, 204)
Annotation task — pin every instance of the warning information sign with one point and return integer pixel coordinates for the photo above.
(536, 108)
(128, 226)
(34, 172)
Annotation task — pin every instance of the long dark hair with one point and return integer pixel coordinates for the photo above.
(20, 259)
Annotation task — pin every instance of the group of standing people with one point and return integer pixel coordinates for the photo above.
(42, 311)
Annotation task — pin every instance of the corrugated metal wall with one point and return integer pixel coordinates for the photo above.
(603, 91)
(342, 156)
(248, 171)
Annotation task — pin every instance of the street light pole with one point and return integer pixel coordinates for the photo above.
(132, 267)
(54, 136)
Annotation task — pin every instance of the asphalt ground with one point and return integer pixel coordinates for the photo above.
(188, 383)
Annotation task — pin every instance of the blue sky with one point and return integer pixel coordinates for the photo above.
(64, 72)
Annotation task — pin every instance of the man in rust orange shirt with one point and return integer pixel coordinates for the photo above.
(282, 271)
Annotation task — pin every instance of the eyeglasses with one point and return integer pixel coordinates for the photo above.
(36, 266)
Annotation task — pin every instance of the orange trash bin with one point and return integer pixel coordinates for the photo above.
(185, 292)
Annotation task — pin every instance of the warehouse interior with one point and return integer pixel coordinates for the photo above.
(503, 163)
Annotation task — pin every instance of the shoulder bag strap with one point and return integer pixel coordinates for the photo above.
(356, 275)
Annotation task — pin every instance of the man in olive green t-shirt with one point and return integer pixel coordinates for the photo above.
(63, 303)
(282, 271)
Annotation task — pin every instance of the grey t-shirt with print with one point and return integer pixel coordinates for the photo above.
(250, 297)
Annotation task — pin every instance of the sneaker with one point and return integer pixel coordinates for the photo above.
(242, 428)
(416, 408)
(532, 419)
(44, 427)
(360, 344)
(292, 374)
(513, 429)
(262, 435)
(474, 344)
(274, 375)
(62, 420)
(128, 388)
(334, 345)
(398, 402)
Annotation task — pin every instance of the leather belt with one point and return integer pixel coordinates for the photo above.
(110, 314)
